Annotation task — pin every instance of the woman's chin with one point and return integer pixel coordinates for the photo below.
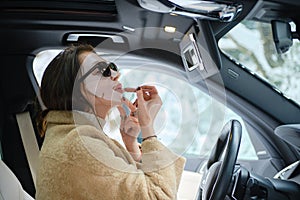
(116, 99)
(116, 103)
(117, 96)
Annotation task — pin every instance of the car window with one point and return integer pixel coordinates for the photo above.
(189, 121)
(182, 103)
(251, 44)
(41, 61)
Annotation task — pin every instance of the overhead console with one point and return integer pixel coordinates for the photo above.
(221, 10)
(199, 52)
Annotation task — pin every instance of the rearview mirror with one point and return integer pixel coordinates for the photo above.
(282, 36)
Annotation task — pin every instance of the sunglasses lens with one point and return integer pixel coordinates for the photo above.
(110, 66)
(106, 72)
(113, 66)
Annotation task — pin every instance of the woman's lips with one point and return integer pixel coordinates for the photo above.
(119, 88)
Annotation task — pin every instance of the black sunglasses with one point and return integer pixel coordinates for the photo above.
(103, 67)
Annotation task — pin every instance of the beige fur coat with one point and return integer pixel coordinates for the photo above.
(78, 161)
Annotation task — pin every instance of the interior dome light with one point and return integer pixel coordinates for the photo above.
(170, 29)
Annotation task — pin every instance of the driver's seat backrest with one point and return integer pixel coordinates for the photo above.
(10, 187)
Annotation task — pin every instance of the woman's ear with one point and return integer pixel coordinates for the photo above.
(89, 98)
(82, 56)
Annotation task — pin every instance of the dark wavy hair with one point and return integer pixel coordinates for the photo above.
(59, 84)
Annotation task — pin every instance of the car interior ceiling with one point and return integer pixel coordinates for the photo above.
(32, 26)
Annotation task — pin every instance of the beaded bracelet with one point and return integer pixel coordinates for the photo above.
(146, 138)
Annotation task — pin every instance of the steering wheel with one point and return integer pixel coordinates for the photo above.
(216, 180)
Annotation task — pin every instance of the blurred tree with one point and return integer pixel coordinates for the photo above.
(251, 44)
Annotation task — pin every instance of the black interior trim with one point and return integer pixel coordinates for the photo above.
(287, 113)
(80, 5)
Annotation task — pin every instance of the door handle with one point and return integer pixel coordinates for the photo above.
(74, 37)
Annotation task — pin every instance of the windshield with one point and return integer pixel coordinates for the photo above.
(251, 44)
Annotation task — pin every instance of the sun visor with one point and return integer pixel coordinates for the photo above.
(199, 53)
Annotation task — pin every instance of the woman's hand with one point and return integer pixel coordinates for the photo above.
(148, 104)
(130, 129)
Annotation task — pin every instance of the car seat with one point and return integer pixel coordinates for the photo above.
(10, 187)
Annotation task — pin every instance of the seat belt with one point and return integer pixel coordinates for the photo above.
(29, 142)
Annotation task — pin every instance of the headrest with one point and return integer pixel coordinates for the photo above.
(289, 133)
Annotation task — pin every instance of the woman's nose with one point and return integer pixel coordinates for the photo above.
(115, 75)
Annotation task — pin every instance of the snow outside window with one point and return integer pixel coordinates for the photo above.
(251, 44)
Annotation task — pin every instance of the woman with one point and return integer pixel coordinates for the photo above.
(78, 160)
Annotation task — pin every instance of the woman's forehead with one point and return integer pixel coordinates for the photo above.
(89, 60)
